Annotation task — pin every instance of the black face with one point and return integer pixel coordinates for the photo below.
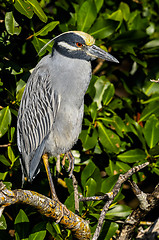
(74, 41)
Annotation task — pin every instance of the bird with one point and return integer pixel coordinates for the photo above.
(52, 106)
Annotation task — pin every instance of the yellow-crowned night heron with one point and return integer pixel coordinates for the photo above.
(51, 110)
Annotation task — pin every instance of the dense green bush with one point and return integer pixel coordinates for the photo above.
(120, 127)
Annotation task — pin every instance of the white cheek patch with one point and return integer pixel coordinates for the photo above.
(68, 46)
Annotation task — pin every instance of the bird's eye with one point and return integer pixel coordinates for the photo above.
(79, 44)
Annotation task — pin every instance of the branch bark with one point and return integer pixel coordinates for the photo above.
(49, 207)
(147, 203)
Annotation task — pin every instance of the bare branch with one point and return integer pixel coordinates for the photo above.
(150, 233)
(133, 220)
(75, 186)
(48, 207)
(121, 180)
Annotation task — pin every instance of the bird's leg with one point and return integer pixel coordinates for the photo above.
(71, 163)
(58, 166)
(46, 164)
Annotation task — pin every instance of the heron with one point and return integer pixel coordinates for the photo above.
(52, 106)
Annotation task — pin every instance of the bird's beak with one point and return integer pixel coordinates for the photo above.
(96, 52)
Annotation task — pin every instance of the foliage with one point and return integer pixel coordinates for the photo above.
(120, 127)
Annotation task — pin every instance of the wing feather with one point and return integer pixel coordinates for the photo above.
(37, 112)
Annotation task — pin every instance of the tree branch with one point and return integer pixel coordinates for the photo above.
(48, 207)
(112, 194)
(147, 203)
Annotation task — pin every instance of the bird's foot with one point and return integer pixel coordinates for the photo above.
(71, 163)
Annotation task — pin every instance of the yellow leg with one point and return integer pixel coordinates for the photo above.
(47, 168)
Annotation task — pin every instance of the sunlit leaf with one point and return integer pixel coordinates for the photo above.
(132, 156)
(22, 225)
(103, 28)
(151, 131)
(90, 187)
(87, 172)
(39, 43)
(125, 10)
(24, 8)
(11, 25)
(5, 120)
(3, 224)
(38, 10)
(118, 211)
(151, 108)
(109, 140)
(4, 160)
(89, 138)
(86, 15)
(47, 28)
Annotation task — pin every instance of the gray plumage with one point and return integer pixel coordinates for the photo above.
(51, 110)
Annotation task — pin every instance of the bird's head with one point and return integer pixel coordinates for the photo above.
(77, 44)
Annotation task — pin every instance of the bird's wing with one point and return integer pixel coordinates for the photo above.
(37, 111)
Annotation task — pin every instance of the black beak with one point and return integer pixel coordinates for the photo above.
(97, 52)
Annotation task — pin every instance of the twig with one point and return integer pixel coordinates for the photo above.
(5, 145)
(116, 189)
(48, 207)
(75, 186)
(150, 233)
(135, 217)
(156, 81)
(99, 65)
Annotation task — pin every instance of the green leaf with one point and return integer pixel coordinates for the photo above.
(99, 4)
(119, 125)
(125, 167)
(89, 138)
(118, 211)
(151, 108)
(117, 16)
(22, 225)
(109, 140)
(103, 28)
(141, 62)
(20, 93)
(125, 10)
(3, 175)
(54, 230)
(152, 44)
(86, 15)
(11, 155)
(4, 160)
(150, 88)
(90, 187)
(87, 172)
(21, 217)
(39, 43)
(100, 86)
(5, 120)
(151, 131)
(48, 28)
(112, 169)
(3, 224)
(108, 183)
(69, 203)
(132, 156)
(24, 8)
(93, 110)
(37, 235)
(108, 231)
(38, 10)
(108, 94)
(11, 25)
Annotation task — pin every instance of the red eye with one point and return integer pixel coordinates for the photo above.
(79, 44)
